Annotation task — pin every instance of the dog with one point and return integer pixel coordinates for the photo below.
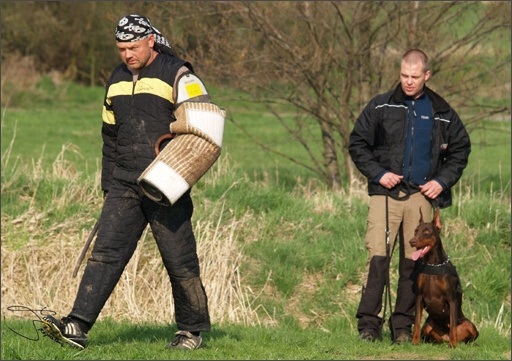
(438, 290)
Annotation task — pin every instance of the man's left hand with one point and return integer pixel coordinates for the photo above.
(432, 189)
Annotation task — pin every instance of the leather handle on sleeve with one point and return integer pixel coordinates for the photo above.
(161, 139)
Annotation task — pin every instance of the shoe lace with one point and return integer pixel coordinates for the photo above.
(179, 339)
(66, 320)
(182, 337)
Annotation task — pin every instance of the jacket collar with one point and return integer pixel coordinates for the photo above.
(439, 105)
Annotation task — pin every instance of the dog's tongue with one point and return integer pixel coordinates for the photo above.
(420, 253)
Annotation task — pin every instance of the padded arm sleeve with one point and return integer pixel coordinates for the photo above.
(196, 147)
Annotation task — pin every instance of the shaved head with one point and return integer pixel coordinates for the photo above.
(415, 56)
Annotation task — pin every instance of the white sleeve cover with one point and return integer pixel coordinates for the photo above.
(188, 87)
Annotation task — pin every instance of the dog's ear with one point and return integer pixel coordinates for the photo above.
(437, 219)
(421, 216)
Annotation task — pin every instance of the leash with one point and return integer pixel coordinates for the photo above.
(389, 251)
(86, 247)
(36, 312)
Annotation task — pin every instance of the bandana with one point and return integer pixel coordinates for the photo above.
(135, 27)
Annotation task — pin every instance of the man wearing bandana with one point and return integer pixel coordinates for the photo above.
(140, 102)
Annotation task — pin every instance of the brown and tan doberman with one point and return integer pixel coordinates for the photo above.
(438, 290)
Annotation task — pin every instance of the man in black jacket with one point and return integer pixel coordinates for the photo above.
(140, 102)
(412, 147)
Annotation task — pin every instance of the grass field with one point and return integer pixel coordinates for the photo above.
(281, 255)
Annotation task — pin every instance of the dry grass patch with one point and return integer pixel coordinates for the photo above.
(39, 274)
(37, 271)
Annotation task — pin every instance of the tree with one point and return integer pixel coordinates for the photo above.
(323, 61)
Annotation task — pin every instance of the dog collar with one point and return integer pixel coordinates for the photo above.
(441, 264)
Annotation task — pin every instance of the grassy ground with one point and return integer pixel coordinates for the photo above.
(128, 341)
(281, 255)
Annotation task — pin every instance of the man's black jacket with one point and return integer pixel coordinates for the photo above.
(378, 139)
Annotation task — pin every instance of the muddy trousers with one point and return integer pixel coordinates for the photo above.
(125, 215)
(404, 216)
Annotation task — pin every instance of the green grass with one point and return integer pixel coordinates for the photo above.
(121, 341)
(70, 118)
(489, 162)
(303, 245)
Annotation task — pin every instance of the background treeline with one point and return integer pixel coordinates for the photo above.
(314, 65)
(73, 37)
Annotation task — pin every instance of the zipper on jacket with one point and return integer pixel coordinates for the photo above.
(411, 153)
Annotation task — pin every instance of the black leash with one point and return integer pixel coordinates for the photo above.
(36, 312)
(389, 251)
(387, 298)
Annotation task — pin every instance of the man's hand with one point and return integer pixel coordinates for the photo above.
(432, 189)
(389, 180)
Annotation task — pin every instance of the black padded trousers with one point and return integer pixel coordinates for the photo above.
(125, 215)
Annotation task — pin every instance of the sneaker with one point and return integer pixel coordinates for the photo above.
(64, 331)
(368, 336)
(402, 337)
(184, 340)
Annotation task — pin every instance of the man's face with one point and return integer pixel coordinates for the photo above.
(138, 54)
(413, 78)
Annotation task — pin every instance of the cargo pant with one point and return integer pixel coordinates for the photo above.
(404, 217)
(125, 215)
